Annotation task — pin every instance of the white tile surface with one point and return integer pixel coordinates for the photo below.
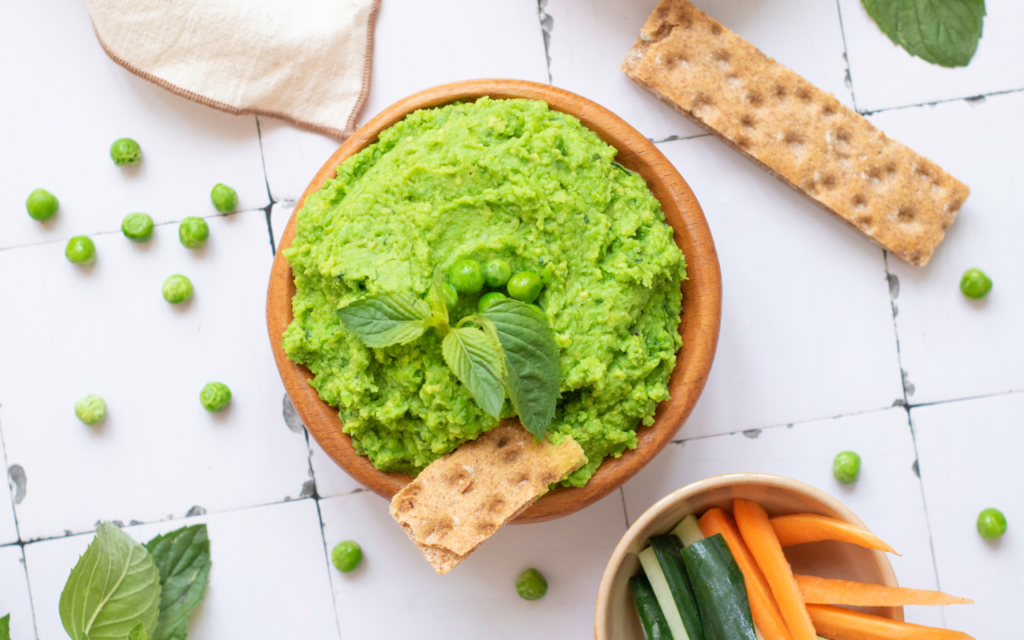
(590, 38)
(887, 496)
(8, 525)
(806, 319)
(478, 598)
(417, 45)
(280, 213)
(268, 580)
(106, 329)
(970, 460)
(14, 593)
(69, 102)
(950, 346)
(885, 76)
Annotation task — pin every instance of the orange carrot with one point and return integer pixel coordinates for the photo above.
(764, 546)
(763, 607)
(808, 527)
(842, 624)
(815, 590)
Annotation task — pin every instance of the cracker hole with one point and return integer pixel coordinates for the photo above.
(828, 111)
(804, 94)
(495, 505)
(839, 140)
(512, 455)
(676, 58)
(716, 29)
(754, 98)
(743, 142)
(734, 81)
(487, 528)
(859, 202)
(502, 442)
(468, 487)
(795, 141)
(747, 121)
(721, 58)
(829, 182)
(701, 101)
(780, 92)
(522, 479)
(906, 214)
(863, 221)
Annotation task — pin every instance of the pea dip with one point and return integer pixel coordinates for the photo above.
(490, 180)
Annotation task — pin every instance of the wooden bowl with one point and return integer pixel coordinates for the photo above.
(615, 617)
(702, 293)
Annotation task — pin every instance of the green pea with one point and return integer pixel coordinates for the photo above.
(488, 299)
(846, 467)
(42, 205)
(137, 227)
(215, 396)
(224, 198)
(125, 151)
(467, 276)
(451, 296)
(975, 284)
(531, 585)
(991, 524)
(346, 556)
(497, 272)
(80, 250)
(91, 409)
(525, 286)
(193, 232)
(177, 289)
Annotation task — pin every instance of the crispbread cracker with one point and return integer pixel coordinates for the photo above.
(796, 131)
(460, 500)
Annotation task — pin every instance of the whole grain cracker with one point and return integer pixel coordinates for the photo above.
(460, 500)
(796, 131)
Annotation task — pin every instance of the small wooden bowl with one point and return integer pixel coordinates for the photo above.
(615, 617)
(702, 293)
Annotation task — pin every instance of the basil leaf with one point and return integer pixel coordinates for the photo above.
(5, 627)
(476, 359)
(531, 359)
(183, 559)
(382, 320)
(114, 586)
(137, 633)
(943, 32)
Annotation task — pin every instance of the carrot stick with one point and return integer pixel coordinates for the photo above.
(843, 624)
(759, 537)
(815, 590)
(763, 607)
(808, 527)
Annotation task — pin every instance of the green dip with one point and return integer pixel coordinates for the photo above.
(505, 179)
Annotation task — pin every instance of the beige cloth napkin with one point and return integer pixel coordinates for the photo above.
(304, 61)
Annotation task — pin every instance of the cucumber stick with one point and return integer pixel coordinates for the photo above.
(651, 618)
(720, 590)
(688, 531)
(667, 549)
(663, 593)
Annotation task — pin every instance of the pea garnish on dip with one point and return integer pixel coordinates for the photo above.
(456, 190)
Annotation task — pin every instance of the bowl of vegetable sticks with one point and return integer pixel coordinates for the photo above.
(750, 556)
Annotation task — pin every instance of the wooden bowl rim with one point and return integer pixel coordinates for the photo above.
(700, 319)
(604, 595)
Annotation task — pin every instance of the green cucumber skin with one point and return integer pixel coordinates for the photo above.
(667, 549)
(720, 590)
(651, 618)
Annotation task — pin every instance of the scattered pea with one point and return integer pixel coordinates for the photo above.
(466, 276)
(525, 286)
(215, 396)
(80, 250)
(497, 272)
(531, 585)
(346, 556)
(91, 409)
(177, 289)
(125, 151)
(451, 296)
(991, 524)
(846, 467)
(224, 198)
(42, 205)
(975, 284)
(137, 227)
(193, 232)
(488, 299)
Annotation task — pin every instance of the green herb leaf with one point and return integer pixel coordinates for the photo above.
(382, 320)
(138, 633)
(5, 627)
(531, 360)
(114, 586)
(477, 361)
(438, 305)
(183, 559)
(943, 32)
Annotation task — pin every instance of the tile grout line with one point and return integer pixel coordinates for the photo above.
(266, 181)
(846, 57)
(625, 514)
(678, 138)
(547, 23)
(7, 474)
(31, 600)
(980, 96)
(327, 558)
(927, 518)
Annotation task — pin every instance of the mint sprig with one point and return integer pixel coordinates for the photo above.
(507, 348)
(183, 559)
(943, 32)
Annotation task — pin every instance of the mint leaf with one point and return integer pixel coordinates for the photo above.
(5, 627)
(183, 559)
(382, 320)
(943, 32)
(531, 360)
(437, 302)
(137, 633)
(477, 361)
(114, 586)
